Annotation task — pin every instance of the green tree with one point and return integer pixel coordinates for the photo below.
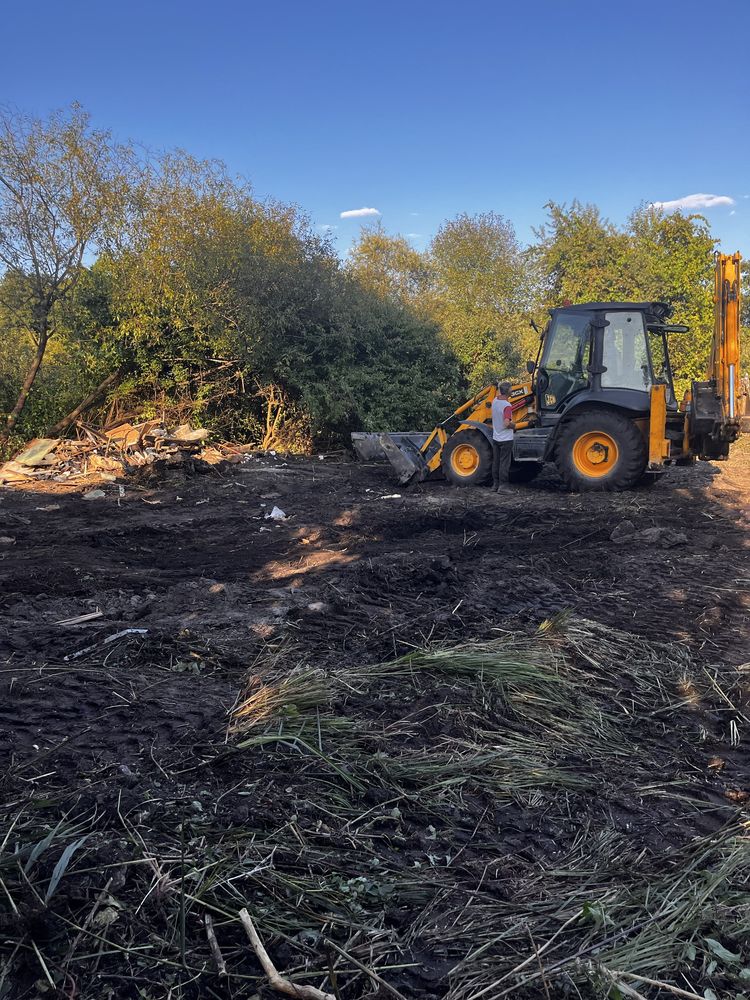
(63, 191)
(389, 266)
(480, 288)
(669, 258)
(580, 255)
(236, 312)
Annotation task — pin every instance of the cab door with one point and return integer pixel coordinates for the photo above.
(564, 366)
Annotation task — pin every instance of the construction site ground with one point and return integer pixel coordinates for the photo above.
(115, 747)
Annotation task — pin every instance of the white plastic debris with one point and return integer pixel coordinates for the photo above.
(391, 496)
(277, 514)
(94, 495)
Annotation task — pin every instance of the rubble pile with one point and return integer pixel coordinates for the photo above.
(109, 453)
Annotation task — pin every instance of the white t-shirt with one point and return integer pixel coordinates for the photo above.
(501, 411)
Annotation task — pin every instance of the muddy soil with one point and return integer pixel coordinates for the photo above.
(190, 584)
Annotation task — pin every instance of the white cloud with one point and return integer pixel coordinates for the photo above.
(359, 213)
(414, 236)
(692, 201)
(326, 228)
(416, 214)
(733, 212)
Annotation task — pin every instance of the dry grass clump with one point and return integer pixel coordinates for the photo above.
(527, 817)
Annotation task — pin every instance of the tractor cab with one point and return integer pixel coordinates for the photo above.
(610, 352)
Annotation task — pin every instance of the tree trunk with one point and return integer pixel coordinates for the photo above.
(31, 375)
(60, 426)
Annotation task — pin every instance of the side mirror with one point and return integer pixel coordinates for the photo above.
(530, 366)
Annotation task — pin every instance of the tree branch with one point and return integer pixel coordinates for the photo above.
(92, 398)
(278, 982)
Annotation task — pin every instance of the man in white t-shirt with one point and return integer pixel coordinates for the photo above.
(502, 437)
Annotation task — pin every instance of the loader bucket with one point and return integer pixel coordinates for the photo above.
(402, 450)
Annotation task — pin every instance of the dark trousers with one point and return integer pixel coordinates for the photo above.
(502, 452)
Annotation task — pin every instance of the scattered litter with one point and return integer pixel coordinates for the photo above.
(187, 435)
(277, 514)
(106, 642)
(80, 619)
(49, 507)
(125, 631)
(94, 495)
(102, 463)
(318, 606)
(7, 540)
(37, 452)
(127, 435)
(13, 472)
(391, 496)
(152, 503)
(199, 502)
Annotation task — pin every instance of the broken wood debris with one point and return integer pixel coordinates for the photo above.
(106, 452)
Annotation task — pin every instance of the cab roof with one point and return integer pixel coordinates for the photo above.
(661, 310)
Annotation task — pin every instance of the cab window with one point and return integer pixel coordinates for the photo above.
(567, 357)
(625, 355)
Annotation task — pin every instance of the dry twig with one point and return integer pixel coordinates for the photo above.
(688, 994)
(275, 980)
(221, 965)
(368, 972)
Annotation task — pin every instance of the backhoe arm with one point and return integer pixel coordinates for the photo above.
(713, 420)
(724, 367)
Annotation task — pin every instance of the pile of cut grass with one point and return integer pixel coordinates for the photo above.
(529, 817)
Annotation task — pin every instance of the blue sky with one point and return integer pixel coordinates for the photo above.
(417, 109)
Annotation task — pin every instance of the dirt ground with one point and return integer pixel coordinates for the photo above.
(118, 724)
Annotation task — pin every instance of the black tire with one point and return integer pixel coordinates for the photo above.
(600, 450)
(460, 445)
(524, 472)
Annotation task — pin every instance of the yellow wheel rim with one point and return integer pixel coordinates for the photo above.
(465, 460)
(595, 454)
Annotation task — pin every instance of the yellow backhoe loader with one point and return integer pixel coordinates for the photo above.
(599, 402)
